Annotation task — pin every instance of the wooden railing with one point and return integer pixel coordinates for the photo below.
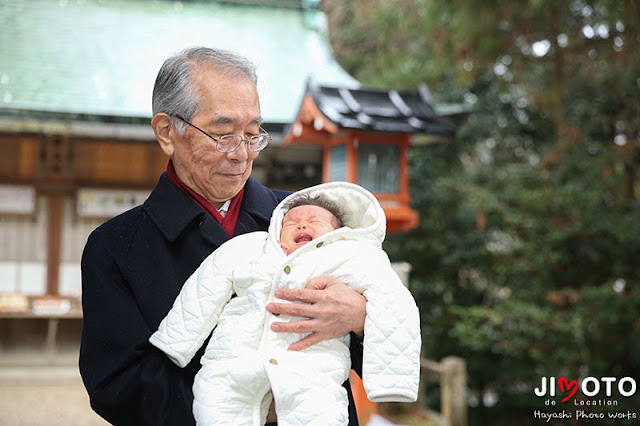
(451, 373)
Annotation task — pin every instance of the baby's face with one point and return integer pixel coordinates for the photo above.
(304, 223)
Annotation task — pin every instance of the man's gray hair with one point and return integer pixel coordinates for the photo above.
(174, 92)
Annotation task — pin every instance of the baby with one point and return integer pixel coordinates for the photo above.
(332, 229)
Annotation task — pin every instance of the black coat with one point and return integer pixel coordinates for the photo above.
(133, 267)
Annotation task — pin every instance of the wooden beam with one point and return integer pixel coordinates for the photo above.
(453, 394)
(352, 158)
(54, 241)
(326, 163)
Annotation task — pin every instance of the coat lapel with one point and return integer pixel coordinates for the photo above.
(173, 211)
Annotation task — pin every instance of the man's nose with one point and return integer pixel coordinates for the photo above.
(240, 154)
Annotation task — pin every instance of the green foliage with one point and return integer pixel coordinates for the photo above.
(525, 258)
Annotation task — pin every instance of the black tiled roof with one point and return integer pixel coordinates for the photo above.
(380, 110)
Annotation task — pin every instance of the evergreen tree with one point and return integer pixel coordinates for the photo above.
(524, 262)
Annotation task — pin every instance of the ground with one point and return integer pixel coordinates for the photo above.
(54, 396)
(44, 396)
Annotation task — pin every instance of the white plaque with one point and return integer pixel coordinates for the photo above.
(17, 199)
(108, 202)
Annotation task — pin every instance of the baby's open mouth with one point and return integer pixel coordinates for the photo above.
(303, 238)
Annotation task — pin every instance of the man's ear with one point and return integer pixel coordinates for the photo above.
(161, 124)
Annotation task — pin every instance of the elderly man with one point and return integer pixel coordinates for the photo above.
(206, 117)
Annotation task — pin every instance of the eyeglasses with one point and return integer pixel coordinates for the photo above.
(229, 143)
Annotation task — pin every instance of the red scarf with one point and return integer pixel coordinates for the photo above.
(229, 221)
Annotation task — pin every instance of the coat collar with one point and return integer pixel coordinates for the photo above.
(172, 210)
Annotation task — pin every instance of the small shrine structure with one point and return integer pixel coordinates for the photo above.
(366, 135)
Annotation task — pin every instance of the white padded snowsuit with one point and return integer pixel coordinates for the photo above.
(246, 364)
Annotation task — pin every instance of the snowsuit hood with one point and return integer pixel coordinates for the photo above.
(364, 217)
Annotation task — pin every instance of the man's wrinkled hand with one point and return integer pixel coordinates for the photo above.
(332, 309)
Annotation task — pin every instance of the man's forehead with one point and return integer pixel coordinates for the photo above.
(226, 94)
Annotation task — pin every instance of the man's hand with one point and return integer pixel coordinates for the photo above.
(332, 309)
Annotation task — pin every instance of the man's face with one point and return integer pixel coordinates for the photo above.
(304, 223)
(229, 105)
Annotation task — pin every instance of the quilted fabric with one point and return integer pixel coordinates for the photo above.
(246, 365)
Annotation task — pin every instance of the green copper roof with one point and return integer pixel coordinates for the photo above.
(101, 56)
